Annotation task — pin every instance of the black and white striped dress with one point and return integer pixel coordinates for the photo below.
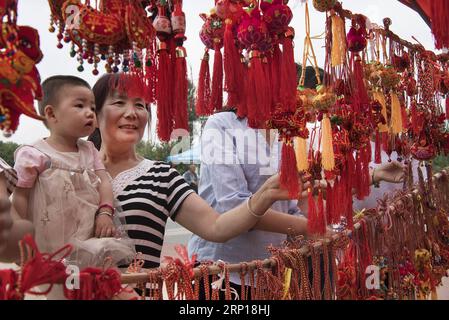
(148, 194)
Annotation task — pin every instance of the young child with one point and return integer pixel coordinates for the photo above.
(63, 187)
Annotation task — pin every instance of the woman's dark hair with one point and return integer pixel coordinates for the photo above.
(102, 89)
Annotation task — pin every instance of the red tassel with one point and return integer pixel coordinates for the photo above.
(96, 284)
(288, 73)
(414, 118)
(329, 203)
(405, 121)
(337, 208)
(440, 22)
(275, 64)
(181, 91)
(447, 108)
(258, 106)
(348, 185)
(40, 269)
(378, 150)
(216, 100)
(360, 93)
(232, 64)
(321, 219)
(203, 92)
(164, 116)
(311, 215)
(289, 175)
(268, 94)
(242, 109)
(362, 174)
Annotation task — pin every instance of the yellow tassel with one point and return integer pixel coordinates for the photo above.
(301, 154)
(379, 96)
(434, 295)
(396, 115)
(338, 41)
(287, 281)
(328, 157)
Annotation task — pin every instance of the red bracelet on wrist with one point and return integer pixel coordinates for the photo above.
(106, 206)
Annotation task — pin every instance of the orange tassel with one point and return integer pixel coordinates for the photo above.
(328, 157)
(379, 96)
(396, 115)
(338, 53)
(302, 164)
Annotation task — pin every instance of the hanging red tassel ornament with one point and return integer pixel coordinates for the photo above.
(253, 35)
(275, 65)
(96, 284)
(447, 107)
(203, 91)
(216, 98)
(289, 126)
(288, 72)
(440, 22)
(312, 215)
(321, 217)
(231, 12)
(181, 91)
(37, 269)
(278, 16)
(164, 115)
(164, 100)
(232, 65)
(181, 85)
(330, 203)
(212, 35)
(378, 149)
(289, 175)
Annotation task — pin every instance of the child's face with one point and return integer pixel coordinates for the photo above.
(75, 114)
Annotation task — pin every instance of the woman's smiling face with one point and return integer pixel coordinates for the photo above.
(122, 119)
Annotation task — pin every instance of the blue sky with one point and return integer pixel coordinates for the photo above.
(36, 13)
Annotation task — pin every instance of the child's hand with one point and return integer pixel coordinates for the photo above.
(104, 226)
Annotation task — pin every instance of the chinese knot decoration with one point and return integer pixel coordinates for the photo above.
(143, 40)
(19, 55)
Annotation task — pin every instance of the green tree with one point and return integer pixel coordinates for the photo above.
(7, 150)
(154, 151)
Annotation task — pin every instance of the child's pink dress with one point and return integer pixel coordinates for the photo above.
(63, 201)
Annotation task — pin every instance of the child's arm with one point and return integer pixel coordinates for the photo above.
(104, 225)
(20, 199)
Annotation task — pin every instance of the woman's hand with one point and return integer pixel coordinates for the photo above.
(392, 172)
(104, 226)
